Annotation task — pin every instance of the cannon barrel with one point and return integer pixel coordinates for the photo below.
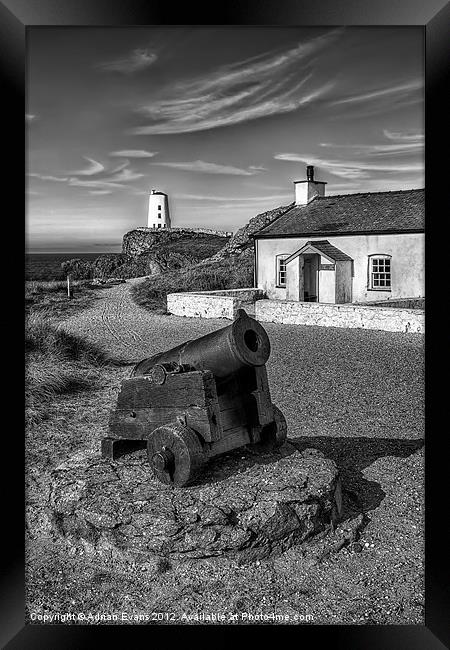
(243, 343)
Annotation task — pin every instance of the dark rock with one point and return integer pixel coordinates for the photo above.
(146, 240)
(242, 240)
(247, 507)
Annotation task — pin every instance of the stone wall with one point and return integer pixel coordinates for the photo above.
(202, 305)
(321, 314)
(402, 303)
(211, 304)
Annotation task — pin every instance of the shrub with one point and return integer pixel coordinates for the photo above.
(78, 269)
(106, 266)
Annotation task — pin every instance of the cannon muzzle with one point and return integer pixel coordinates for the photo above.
(243, 343)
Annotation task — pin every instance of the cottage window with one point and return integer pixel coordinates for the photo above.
(281, 270)
(380, 272)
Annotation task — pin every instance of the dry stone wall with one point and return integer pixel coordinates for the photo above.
(352, 316)
(211, 304)
(202, 305)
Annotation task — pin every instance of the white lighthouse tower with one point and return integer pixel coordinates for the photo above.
(158, 210)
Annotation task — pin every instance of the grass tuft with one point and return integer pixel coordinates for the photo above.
(46, 338)
(57, 363)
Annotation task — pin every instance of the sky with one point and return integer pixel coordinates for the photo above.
(222, 119)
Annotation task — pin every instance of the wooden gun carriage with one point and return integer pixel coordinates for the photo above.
(203, 398)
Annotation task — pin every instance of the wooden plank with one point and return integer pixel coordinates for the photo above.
(129, 424)
(138, 424)
(204, 422)
(231, 418)
(179, 390)
(237, 437)
(212, 402)
(230, 401)
(301, 278)
(229, 387)
(262, 396)
(343, 281)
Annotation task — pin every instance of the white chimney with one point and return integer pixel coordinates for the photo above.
(306, 191)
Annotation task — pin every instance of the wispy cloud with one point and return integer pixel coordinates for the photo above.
(378, 149)
(276, 82)
(399, 156)
(210, 168)
(133, 153)
(351, 169)
(398, 90)
(137, 60)
(47, 177)
(378, 100)
(114, 179)
(100, 180)
(404, 136)
(93, 168)
(95, 184)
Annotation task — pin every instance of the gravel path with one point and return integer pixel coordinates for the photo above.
(126, 330)
(328, 381)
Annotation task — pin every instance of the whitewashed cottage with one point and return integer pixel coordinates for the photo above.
(342, 249)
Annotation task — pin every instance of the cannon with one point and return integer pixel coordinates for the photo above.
(196, 401)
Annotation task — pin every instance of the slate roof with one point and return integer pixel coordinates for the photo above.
(371, 212)
(323, 246)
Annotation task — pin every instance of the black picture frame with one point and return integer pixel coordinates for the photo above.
(434, 16)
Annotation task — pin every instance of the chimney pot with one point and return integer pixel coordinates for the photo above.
(310, 172)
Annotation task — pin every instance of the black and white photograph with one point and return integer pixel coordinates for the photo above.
(225, 322)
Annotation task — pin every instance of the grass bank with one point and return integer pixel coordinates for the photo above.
(229, 273)
(57, 363)
(49, 298)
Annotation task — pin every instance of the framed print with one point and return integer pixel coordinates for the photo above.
(225, 274)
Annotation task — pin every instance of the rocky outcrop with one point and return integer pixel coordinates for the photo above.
(242, 240)
(247, 505)
(145, 240)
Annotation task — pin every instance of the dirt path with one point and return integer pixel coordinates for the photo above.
(321, 377)
(130, 332)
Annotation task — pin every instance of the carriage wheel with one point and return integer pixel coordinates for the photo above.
(274, 434)
(175, 454)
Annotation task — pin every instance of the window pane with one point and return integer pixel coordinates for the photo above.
(380, 272)
(281, 270)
